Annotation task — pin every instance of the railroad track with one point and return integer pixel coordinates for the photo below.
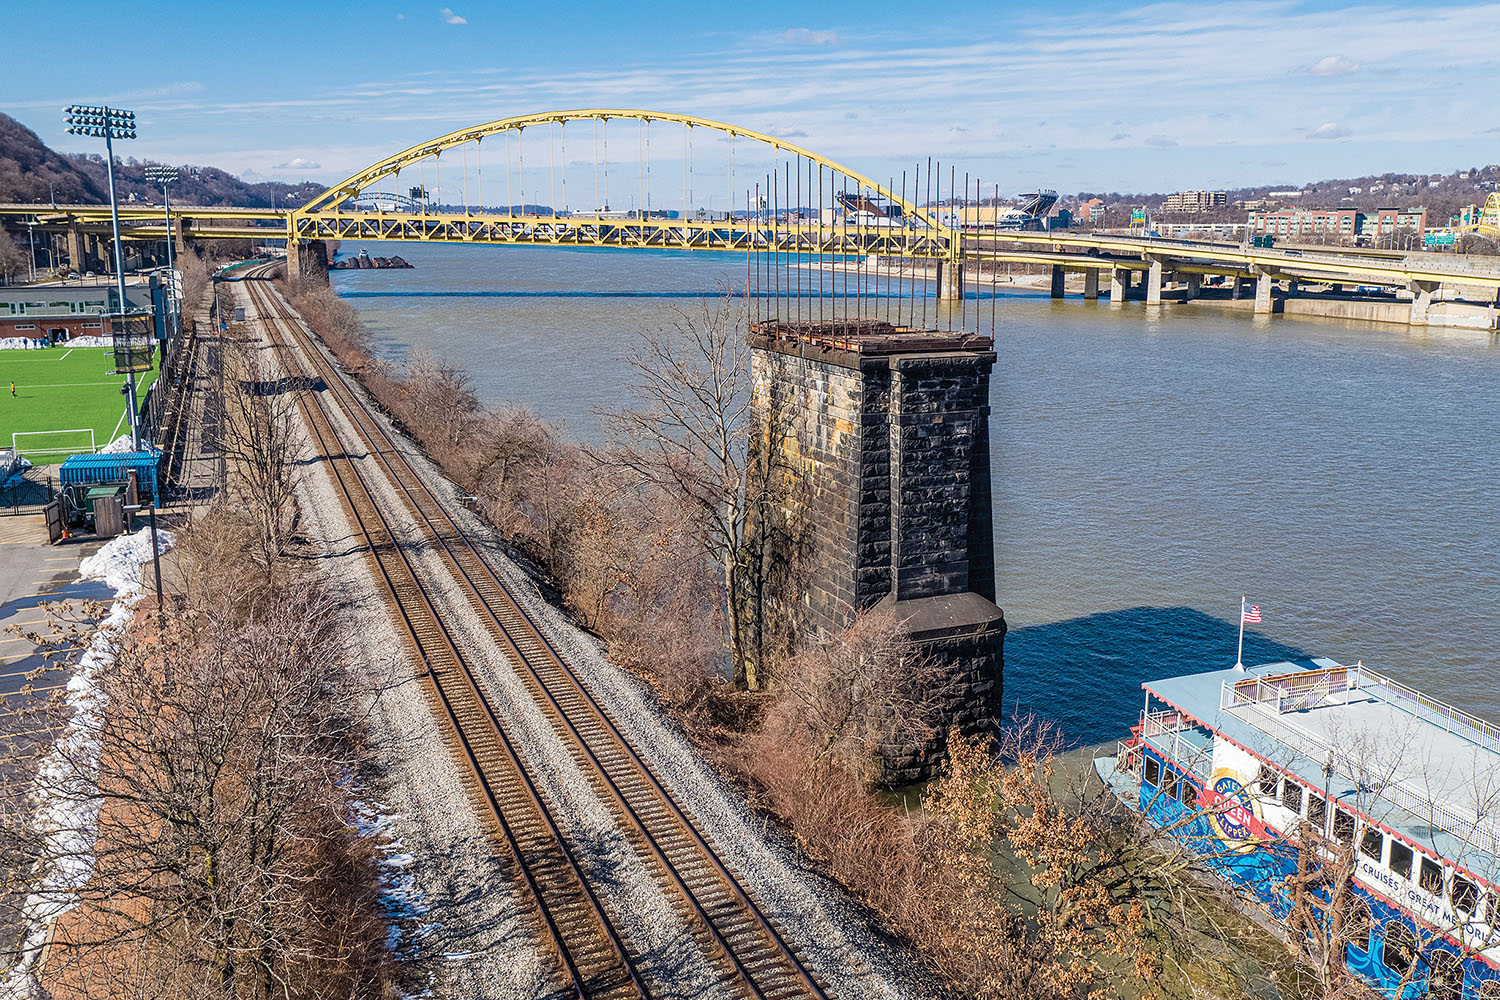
(575, 927)
(729, 925)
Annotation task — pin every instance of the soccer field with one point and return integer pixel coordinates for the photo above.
(63, 389)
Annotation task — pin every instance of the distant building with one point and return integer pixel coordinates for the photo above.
(56, 313)
(1345, 225)
(1194, 201)
(1091, 211)
(1341, 224)
(1385, 222)
(1294, 193)
(1256, 204)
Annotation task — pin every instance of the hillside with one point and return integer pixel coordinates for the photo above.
(31, 172)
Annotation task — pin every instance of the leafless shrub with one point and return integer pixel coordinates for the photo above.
(854, 696)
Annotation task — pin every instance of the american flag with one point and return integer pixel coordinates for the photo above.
(1251, 614)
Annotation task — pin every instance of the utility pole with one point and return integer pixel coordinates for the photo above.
(102, 121)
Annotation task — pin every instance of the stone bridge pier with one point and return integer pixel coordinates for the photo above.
(888, 433)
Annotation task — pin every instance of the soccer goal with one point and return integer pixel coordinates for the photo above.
(45, 445)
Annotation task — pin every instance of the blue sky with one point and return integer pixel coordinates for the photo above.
(1088, 96)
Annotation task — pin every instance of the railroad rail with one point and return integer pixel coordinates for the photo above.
(721, 914)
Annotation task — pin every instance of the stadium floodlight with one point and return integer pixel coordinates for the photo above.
(163, 176)
(109, 124)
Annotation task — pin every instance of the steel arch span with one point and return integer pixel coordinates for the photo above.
(901, 225)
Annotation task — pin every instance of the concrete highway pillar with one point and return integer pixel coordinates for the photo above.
(1091, 284)
(950, 280)
(1194, 287)
(1421, 301)
(1153, 286)
(1119, 284)
(1263, 285)
(1058, 281)
(75, 249)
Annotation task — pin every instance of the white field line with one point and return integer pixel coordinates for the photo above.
(67, 352)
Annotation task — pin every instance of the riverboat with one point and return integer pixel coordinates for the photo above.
(1352, 808)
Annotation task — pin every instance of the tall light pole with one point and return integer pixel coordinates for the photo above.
(164, 176)
(110, 124)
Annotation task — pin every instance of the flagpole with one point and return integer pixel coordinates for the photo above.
(1239, 656)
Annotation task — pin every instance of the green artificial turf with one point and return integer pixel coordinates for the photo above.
(62, 388)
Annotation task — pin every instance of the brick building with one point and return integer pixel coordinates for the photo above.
(57, 313)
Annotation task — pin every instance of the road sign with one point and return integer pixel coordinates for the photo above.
(1138, 217)
(1437, 239)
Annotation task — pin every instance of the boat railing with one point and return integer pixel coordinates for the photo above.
(1477, 832)
(1288, 692)
(1453, 720)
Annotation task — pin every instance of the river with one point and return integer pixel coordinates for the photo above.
(1150, 464)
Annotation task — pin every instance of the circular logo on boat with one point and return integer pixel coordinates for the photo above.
(1231, 809)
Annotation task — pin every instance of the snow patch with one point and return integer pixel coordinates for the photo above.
(120, 561)
(401, 902)
(69, 814)
(119, 446)
(29, 343)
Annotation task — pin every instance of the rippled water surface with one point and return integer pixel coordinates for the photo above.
(1149, 466)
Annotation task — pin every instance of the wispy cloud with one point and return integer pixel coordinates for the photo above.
(299, 163)
(1330, 130)
(451, 18)
(1161, 141)
(808, 36)
(1334, 66)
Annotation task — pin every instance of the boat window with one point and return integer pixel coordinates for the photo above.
(1357, 925)
(1399, 952)
(1401, 858)
(1445, 976)
(1343, 826)
(1291, 796)
(1464, 895)
(1430, 876)
(1153, 771)
(1169, 784)
(1188, 792)
(1268, 780)
(1317, 811)
(1372, 844)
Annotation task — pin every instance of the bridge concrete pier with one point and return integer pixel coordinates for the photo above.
(75, 249)
(1194, 287)
(1421, 301)
(950, 280)
(1059, 281)
(1263, 284)
(1091, 285)
(1153, 284)
(887, 505)
(1119, 285)
(307, 260)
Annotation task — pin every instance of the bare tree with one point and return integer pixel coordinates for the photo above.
(262, 439)
(219, 861)
(687, 437)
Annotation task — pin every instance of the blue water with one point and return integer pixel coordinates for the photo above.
(1150, 464)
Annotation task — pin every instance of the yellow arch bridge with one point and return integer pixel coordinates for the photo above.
(514, 181)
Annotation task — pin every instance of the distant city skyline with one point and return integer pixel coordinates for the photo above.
(1154, 97)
